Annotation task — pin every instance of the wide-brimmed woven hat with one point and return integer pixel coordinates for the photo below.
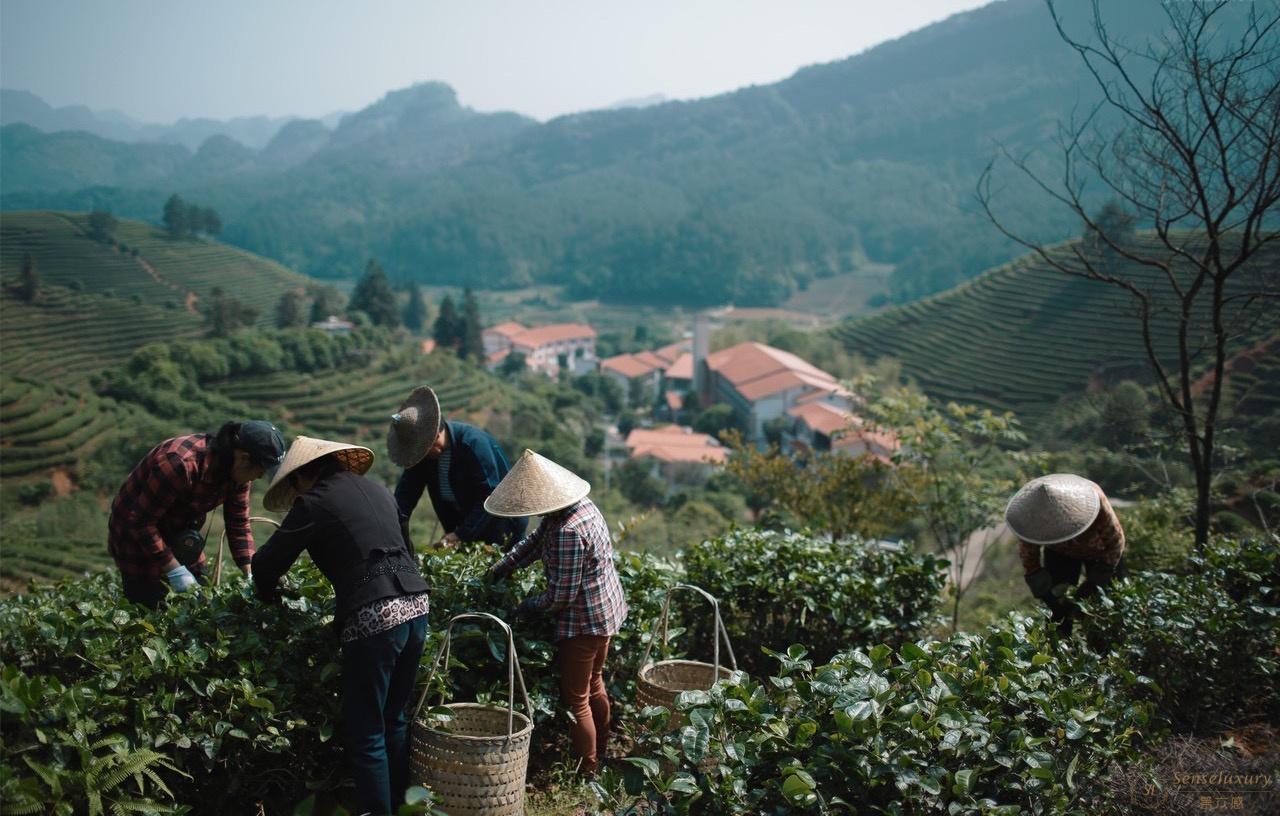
(280, 494)
(534, 487)
(414, 427)
(1053, 508)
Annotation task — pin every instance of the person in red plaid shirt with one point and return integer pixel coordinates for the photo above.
(583, 591)
(154, 530)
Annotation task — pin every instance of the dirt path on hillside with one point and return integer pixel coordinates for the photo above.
(190, 297)
(62, 482)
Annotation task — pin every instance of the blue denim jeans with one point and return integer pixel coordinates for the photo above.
(377, 680)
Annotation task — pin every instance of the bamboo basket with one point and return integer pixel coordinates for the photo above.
(658, 684)
(477, 763)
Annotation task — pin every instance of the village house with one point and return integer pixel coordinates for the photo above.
(762, 383)
(334, 325)
(651, 369)
(546, 349)
(821, 426)
(680, 456)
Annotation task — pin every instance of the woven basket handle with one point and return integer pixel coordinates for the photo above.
(514, 674)
(719, 632)
(222, 542)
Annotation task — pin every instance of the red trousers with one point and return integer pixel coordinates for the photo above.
(581, 661)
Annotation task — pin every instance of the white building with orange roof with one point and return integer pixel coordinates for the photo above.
(546, 349)
(821, 426)
(680, 455)
(762, 383)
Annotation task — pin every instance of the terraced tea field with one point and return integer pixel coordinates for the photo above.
(45, 427)
(65, 337)
(162, 273)
(356, 404)
(1018, 337)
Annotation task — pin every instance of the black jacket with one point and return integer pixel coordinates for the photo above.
(350, 527)
(476, 465)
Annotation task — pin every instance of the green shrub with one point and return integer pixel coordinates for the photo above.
(997, 723)
(1158, 531)
(33, 493)
(779, 588)
(230, 702)
(1208, 638)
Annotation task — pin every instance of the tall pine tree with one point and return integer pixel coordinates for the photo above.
(471, 341)
(29, 280)
(289, 311)
(175, 216)
(415, 311)
(374, 297)
(448, 325)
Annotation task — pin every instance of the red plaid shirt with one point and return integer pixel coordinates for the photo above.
(583, 590)
(169, 491)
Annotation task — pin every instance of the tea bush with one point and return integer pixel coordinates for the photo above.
(780, 588)
(218, 702)
(1208, 636)
(998, 723)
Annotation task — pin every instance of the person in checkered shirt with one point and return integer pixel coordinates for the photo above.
(154, 530)
(583, 593)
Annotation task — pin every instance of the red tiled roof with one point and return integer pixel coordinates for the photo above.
(629, 366)
(509, 329)
(675, 401)
(756, 371)
(558, 332)
(671, 353)
(497, 356)
(681, 369)
(823, 418)
(673, 443)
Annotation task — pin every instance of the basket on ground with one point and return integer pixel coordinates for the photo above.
(658, 684)
(477, 761)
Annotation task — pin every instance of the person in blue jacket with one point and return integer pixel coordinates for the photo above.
(457, 464)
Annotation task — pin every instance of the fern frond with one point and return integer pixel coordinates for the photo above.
(23, 807)
(125, 805)
(47, 775)
(127, 765)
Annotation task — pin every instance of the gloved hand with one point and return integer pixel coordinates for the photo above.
(1041, 583)
(180, 579)
(526, 609)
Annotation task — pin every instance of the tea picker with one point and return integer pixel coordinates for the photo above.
(154, 531)
(584, 595)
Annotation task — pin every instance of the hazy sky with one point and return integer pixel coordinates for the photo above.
(158, 60)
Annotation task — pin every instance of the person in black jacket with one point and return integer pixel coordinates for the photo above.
(457, 464)
(351, 528)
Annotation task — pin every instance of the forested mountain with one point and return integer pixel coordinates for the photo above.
(740, 197)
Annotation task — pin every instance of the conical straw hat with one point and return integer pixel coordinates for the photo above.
(534, 487)
(280, 494)
(414, 427)
(1053, 508)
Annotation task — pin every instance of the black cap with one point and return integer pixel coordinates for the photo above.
(262, 442)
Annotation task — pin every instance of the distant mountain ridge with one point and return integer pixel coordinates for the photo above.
(742, 197)
(26, 108)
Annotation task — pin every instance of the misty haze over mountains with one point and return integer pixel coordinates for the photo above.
(742, 197)
(17, 106)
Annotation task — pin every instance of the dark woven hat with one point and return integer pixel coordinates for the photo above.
(414, 427)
